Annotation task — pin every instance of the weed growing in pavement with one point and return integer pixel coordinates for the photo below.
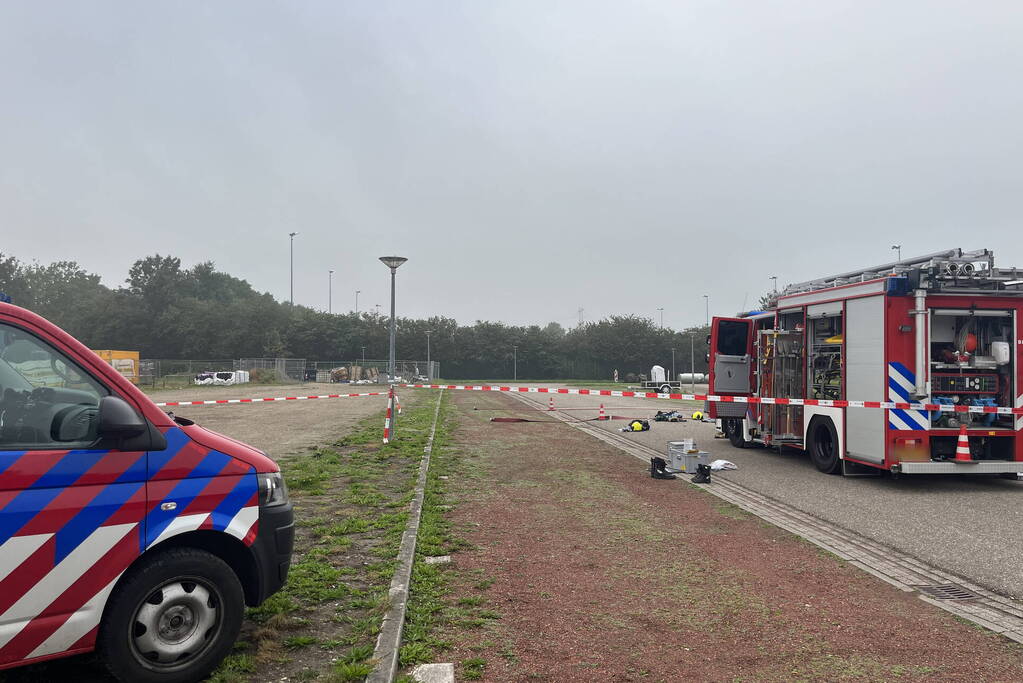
(350, 510)
(472, 668)
(237, 667)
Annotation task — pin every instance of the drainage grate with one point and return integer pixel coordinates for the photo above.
(948, 591)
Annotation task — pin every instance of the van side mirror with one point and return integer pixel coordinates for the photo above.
(118, 420)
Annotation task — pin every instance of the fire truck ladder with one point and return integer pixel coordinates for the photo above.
(952, 265)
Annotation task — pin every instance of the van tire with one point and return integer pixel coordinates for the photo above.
(733, 430)
(190, 593)
(823, 446)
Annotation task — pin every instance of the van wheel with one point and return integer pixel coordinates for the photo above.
(824, 446)
(733, 430)
(173, 619)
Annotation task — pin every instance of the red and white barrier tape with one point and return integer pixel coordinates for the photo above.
(890, 405)
(265, 400)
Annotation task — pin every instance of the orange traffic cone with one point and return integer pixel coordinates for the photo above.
(963, 446)
(601, 416)
(550, 406)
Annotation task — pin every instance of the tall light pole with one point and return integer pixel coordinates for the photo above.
(429, 368)
(662, 317)
(378, 309)
(774, 279)
(392, 262)
(515, 363)
(707, 299)
(673, 377)
(357, 301)
(292, 236)
(898, 251)
(330, 291)
(363, 356)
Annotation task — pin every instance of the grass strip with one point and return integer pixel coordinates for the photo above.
(351, 499)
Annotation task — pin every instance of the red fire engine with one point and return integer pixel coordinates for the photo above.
(944, 330)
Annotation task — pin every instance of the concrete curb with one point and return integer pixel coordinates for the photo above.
(389, 641)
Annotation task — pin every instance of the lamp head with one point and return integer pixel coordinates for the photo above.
(393, 262)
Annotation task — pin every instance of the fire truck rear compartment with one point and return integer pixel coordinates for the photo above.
(971, 365)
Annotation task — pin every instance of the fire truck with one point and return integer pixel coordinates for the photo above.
(942, 332)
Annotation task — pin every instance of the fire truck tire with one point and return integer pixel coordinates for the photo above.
(173, 619)
(823, 440)
(733, 430)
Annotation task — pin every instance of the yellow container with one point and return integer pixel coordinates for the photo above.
(125, 362)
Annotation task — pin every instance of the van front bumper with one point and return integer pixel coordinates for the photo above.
(272, 549)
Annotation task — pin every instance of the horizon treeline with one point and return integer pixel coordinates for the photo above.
(165, 311)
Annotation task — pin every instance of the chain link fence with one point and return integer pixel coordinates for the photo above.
(171, 373)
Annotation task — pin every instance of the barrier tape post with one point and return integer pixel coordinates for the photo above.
(389, 417)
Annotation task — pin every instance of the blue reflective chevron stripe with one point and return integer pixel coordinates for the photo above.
(176, 440)
(911, 421)
(183, 494)
(68, 469)
(243, 491)
(901, 395)
(22, 509)
(8, 458)
(93, 515)
(898, 377)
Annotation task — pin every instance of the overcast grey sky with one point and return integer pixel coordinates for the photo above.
(530, 158)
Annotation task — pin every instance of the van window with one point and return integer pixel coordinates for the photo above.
(46, 401)
(732, 337)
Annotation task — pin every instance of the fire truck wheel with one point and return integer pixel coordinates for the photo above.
(824, 446)
(173, 619)
(733, 430)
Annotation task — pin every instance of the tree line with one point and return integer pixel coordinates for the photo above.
(166, 311)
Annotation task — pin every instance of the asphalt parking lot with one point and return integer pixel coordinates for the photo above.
(971, 526)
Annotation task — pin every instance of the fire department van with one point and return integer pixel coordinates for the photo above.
(123, 528)
(911, 367)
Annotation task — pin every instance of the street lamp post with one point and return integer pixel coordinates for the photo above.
(357, 301)
(774, 279)
(429, 367)
(707, 299)
(898, 251)
(662, 317)
(364, 356)
(330, 291)
(392, 262)
(515, 363)
(292, 236)
(673, 377)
